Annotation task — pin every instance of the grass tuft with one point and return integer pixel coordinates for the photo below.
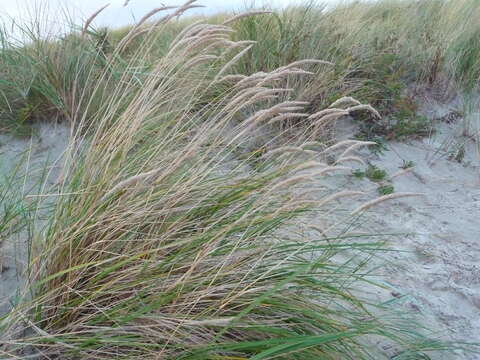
(164, 240)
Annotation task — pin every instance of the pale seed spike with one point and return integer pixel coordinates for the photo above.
(178, 12)
(134, 33)
(282, 117)
(291, 181)
(216, 29)
(274, 110)
(200, 60)
(209, 322)
(325, 112)
(254, 77)
(299, 70)
(188, 31)
(263, 95)
(240, 16)
(293, 103)
(282, 150)
(91, 18)
(179, 43)
(253, 100)
(310, 143)
(344, 101)
(131, 181)
(303, 152)
(308, 165)
(358, 145)
(339, 145)
(232, 62)
(293, 108)
(245, 42)
(330, 169)
(277, 76)
(221, 44)
(212, 34)
(151, 13)
(300, 178)
(303, 62)
(265, 92)
(340, 194)
(368, 108)
(401, 172)
(235, 45)
(200, 42)
(325, 119)
(236, 101)
(233, 78)
(309, 61)
(351, 158)
(310, 152)
(258, 116)
(383, 198)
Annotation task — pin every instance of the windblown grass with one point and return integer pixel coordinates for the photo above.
(163, 244)
(377, 50)
(41, 78)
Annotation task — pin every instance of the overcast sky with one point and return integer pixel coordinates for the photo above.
(116, 14)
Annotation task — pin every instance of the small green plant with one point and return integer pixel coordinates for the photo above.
(386, 189)
(410, 125)
(359, 174)
(374, 173)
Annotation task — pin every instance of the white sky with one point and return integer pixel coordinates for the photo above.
(116, 14)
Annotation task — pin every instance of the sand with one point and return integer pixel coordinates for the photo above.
(441, 268)
(436, 272)
(37, 154)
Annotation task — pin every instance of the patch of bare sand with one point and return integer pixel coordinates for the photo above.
(435, 270)
(39, 157)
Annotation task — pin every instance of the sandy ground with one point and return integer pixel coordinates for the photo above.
(441, 266)
(436, 270)
(437, 273)
(439, 270)
(37, 155)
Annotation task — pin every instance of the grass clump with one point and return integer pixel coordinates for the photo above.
(386, 189)
(162, 243)
(416, 126)
(375, 52)
(374, 173)
(380, 53)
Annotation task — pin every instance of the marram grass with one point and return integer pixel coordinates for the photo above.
(163, 245)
